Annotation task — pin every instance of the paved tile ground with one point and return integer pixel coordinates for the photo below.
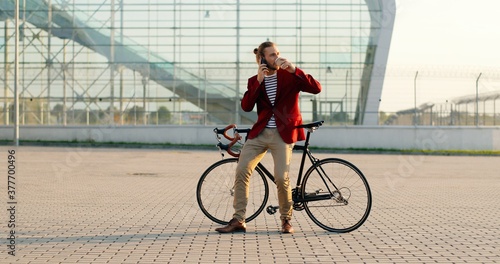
(93, 205)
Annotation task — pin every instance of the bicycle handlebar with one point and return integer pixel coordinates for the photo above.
(236, 137)
(223, 131)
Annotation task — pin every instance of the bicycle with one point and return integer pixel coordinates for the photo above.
(334, 193)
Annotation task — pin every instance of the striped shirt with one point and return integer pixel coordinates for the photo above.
(271, 83)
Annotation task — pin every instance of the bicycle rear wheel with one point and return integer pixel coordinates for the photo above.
(215, 192)
(347, 195)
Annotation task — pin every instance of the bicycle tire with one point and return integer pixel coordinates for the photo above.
(342, 213)
(215, 194)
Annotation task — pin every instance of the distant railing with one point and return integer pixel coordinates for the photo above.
(164, 116)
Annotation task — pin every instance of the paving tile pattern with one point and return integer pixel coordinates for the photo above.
(97, 205)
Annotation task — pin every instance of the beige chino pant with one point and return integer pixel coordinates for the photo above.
(252, 153)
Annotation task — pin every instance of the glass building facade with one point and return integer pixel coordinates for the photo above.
(153, 62)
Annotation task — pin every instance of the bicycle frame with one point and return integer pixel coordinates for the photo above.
(297, 196)
(305, 153)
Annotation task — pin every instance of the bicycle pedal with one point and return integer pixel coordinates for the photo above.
(271, 209)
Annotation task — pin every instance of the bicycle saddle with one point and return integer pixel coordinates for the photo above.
(311, 125)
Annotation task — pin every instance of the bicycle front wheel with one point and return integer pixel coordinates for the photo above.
(215, 192)
(347, 196)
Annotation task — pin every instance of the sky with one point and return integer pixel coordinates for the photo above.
(449, 42)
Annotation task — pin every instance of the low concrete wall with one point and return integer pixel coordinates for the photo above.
(386, 137)
(409, 137)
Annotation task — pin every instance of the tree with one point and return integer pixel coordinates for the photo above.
(135, 115)
(164, 115)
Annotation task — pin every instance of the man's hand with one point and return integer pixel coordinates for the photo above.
(262, 71)
(284, 64)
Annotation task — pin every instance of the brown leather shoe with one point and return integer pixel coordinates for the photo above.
(286, 227)
(233, 226)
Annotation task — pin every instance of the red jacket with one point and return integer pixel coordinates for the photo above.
(286, 106)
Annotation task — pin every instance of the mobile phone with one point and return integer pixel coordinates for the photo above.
(263, 61)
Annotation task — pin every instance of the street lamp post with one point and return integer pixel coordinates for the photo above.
(144, 85)
(16, 76)
(415, 99)
(476, 120)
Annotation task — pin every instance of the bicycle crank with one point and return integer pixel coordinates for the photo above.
(298, 206)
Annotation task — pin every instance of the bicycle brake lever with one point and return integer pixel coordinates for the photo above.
(220, 149)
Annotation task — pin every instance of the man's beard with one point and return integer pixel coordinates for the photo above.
(271, 67)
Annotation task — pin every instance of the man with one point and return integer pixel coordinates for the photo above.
(275, 90)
